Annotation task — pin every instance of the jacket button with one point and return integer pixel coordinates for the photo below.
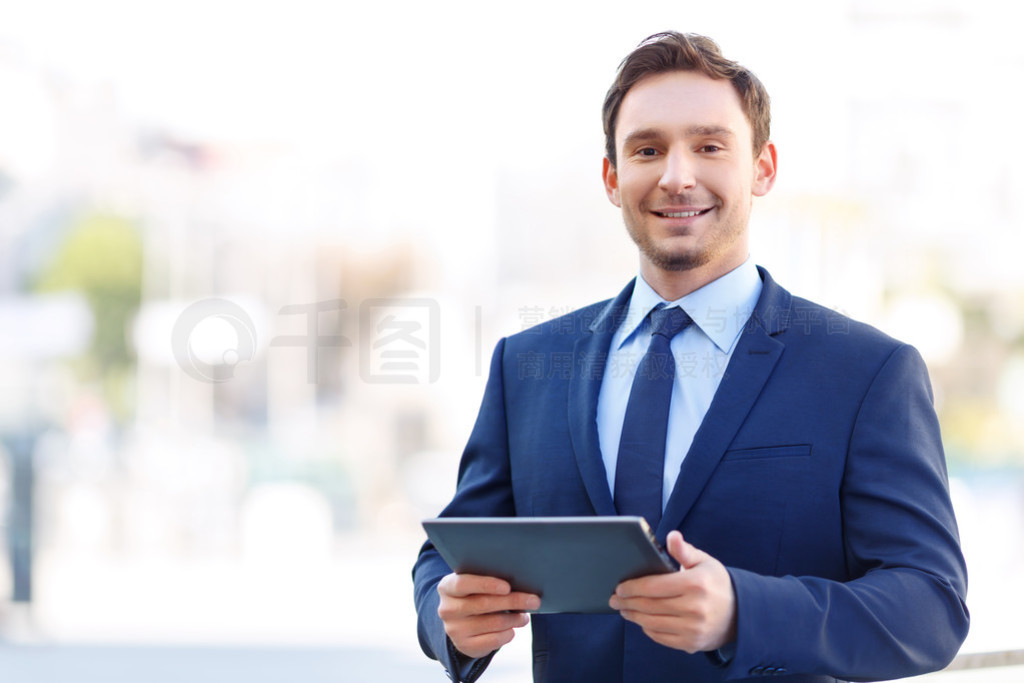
(756, 671)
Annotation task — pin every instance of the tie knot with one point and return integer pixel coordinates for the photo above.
(668, 322)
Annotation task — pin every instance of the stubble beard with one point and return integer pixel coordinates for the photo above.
(716, 242)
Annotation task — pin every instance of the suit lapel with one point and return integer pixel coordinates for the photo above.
(752, 363)
(591, 355)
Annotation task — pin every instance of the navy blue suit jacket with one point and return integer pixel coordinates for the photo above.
(817, 477)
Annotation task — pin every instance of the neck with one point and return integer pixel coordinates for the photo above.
(675, 284)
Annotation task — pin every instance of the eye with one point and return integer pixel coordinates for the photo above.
(710, 148)
(647, 152)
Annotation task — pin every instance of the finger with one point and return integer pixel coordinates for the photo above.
(659, 586)
(452, 607)
(649, 586)
(667, 630)
(650, 623)
(478, 636)
(462, 585)
(513, 602)
(483, 624)
(471, 585)
(673, 640)
(645, 605)
(481, 644)
(682, 552)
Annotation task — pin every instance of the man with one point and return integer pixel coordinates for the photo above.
(800, 480)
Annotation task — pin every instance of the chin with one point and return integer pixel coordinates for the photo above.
(675, 261)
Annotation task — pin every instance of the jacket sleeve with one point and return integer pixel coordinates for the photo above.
(902, 610)
(484, 490)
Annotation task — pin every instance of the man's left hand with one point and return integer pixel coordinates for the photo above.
(693, 609)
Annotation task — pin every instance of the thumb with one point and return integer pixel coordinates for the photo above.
(682, 552)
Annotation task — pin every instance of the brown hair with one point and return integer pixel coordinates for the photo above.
(673, 51)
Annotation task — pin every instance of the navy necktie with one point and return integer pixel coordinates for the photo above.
(639, 471)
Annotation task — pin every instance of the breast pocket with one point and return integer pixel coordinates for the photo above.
(741, 514)
(798, 451)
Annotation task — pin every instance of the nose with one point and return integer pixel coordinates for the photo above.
(679, 173)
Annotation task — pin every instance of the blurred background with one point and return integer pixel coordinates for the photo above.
(254, 258)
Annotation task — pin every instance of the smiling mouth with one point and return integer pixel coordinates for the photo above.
(681, 214)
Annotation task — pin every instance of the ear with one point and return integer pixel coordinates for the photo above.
(764, 170)
(611, 182)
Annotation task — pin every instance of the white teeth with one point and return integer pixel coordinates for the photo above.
(681, 214)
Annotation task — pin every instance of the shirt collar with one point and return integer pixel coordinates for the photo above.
(720, 308)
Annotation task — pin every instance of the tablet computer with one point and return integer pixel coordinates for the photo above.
(572, 563)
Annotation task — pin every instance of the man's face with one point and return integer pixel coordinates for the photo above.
(686, 174)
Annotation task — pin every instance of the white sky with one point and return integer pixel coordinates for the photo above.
(294, 68)
(341, 74)
(437, 100)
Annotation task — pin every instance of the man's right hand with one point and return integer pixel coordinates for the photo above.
(480, 613)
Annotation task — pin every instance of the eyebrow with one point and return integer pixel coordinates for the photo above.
(647, 134)
(710, 131)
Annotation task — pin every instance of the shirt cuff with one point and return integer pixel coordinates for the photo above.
(466, 669)
(723, 656)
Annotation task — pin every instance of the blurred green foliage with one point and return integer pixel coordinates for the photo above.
(101, 258)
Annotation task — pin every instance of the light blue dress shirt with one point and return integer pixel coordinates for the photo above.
(702, 351)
